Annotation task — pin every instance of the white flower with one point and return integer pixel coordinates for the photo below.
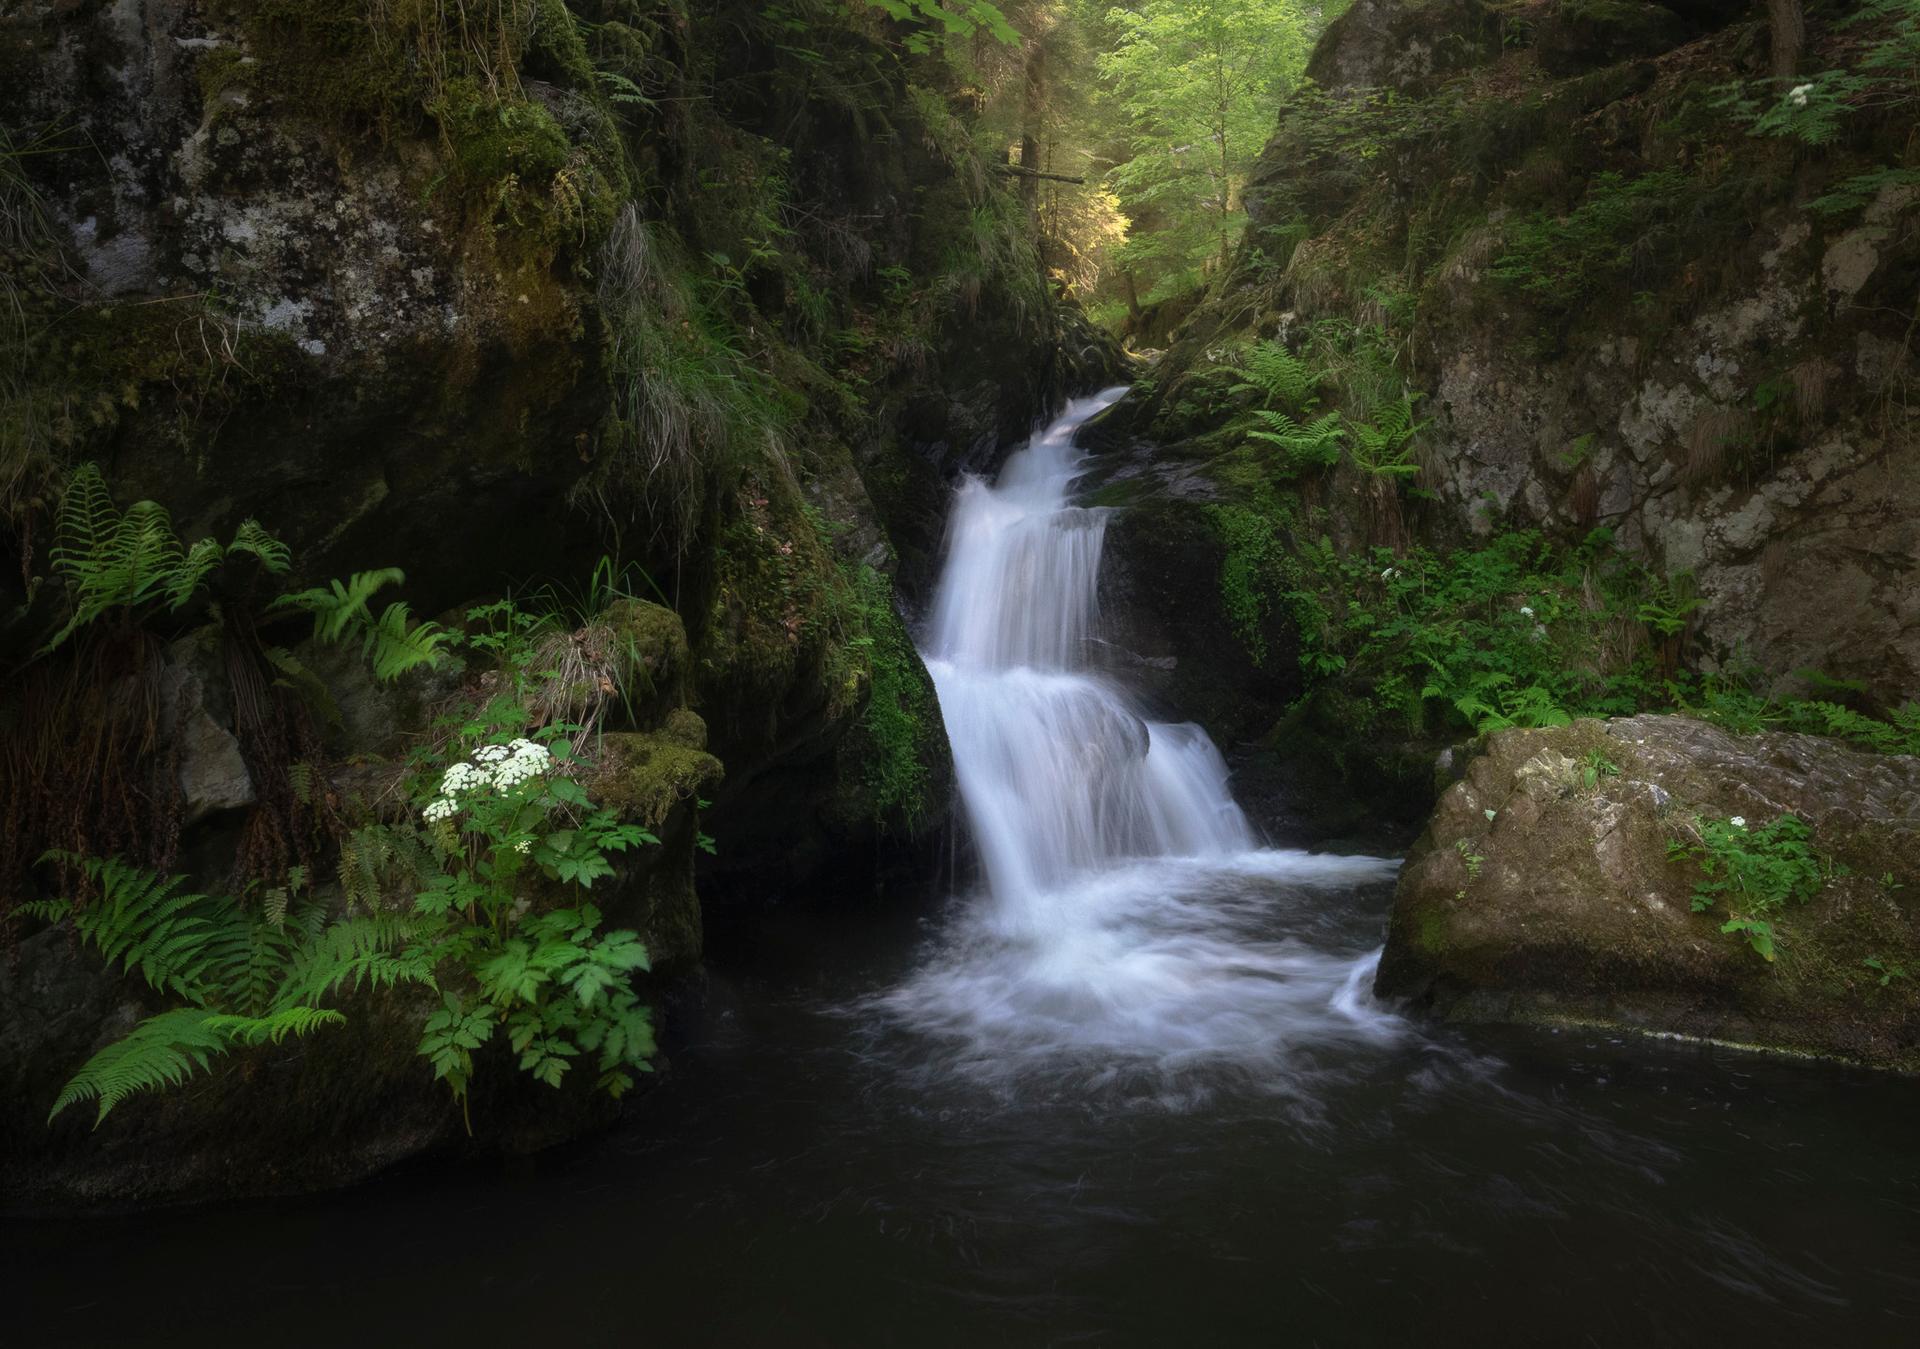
(1389, 573)
(1526, 610)
(440, 808)
(1798, 95)
(524, 845)
(1738, 822)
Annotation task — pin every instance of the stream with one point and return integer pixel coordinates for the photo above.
(1127, 1088)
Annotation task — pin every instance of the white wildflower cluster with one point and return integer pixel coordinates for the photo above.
(496, 766)
(1738, 822)
(1526, 610)
(1798, 95)
(510, 765)
(1389, 573)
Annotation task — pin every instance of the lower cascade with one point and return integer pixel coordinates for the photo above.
(1131, 925)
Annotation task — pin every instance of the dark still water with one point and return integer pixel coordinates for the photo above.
(820, 1170)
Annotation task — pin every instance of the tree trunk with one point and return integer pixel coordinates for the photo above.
(1787, 34)
(1033, 114)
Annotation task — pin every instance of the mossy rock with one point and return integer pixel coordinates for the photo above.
(650, 648)
(1543, 893)
(1582, 35)
(645, 777)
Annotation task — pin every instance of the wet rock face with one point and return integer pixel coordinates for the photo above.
(1543, 892)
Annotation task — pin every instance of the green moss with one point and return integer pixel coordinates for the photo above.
(902, 714)
(644, 777)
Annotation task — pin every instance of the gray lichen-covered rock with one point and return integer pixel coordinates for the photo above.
(1543, 891)
(1402, 44)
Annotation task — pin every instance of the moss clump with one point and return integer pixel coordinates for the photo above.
(902, 714)
(643, 777)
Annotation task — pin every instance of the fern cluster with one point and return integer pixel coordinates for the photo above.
(111, 558)
(392, 644)
(1281, 378)
(1309, 445)
(1384, 446)
(246, 979)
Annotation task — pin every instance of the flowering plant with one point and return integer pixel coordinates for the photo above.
(511, 827)
(1754, 873)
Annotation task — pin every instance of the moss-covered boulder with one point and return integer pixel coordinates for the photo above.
(1545, 890)
(1403, 45)
(1578, 35)
(657, 781)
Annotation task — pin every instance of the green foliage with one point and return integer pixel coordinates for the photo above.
(1194, 86)
(1518, 632)
(504, 814)
(1882, 75)
(955, 19)
(166, 1049)
(230, 966)
(390, 644)
(1858, 192)
(1594, 765)
(899, 715)
(1729, 699)
(112, 559)
(1384, 446)
(1282, 379)
(1306, 447)
(691, 409)
(1559, 262)
(1752, 873)
(1889, 971)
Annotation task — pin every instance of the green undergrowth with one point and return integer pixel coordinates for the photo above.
(1519, 631)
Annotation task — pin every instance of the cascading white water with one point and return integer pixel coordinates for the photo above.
(1129, 917)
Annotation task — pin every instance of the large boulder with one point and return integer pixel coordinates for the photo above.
(1544, 890)
(1405, 45)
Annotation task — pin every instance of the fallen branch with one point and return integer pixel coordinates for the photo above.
(1016, 171)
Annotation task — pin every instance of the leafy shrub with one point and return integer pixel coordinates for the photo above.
(1519, 632)
(1751, 873)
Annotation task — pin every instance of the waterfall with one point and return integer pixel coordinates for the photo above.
(1129, 919)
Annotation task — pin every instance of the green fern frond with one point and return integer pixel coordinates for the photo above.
(162, 1051)
(88, 518)
(113, 559)
(341, 607)
(141, 922)
(192, 571)
(392, 648)
(275, 557)
(340, 611)
(1384, 447)
(1280, 377)
(1315, 445)
(46, 910)
(355, 951)
(312, 689)
(165, 1050)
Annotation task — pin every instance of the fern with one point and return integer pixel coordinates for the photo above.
(1314, 445)
(165, 1050)
(392, 648)
(340, 611)
(141, 922)
(372, 950)
(1384, 447)
(1280, 377)
(113, 559)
